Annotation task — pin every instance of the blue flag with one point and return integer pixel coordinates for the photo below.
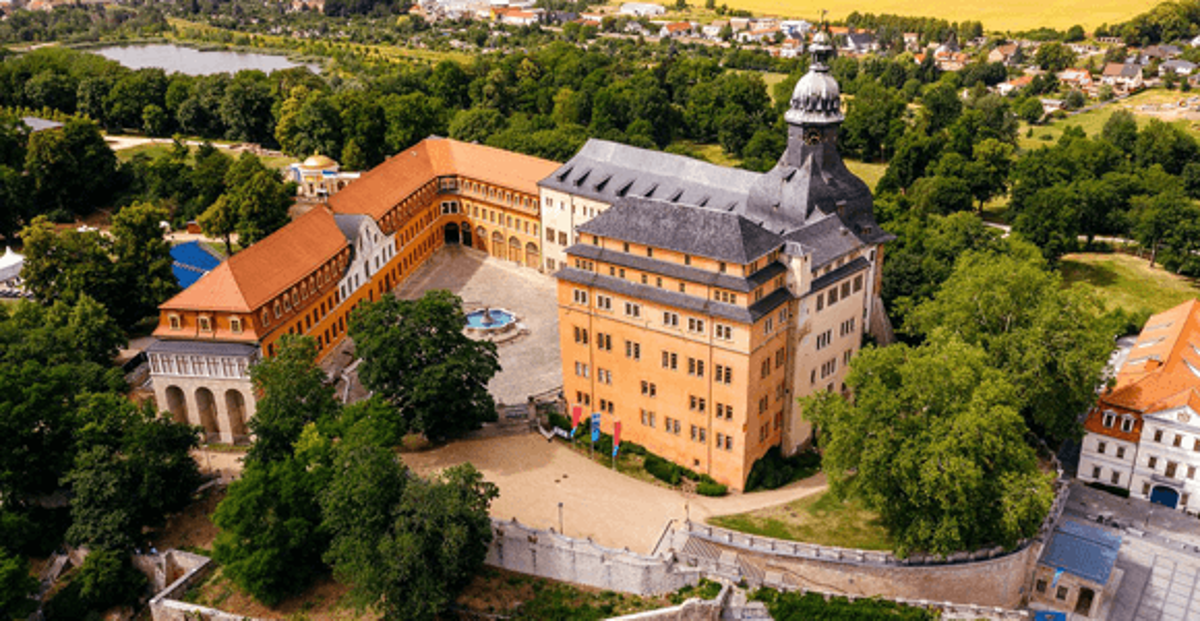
(595, 426)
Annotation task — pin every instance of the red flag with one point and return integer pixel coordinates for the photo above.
(616, 436)
(576, 413)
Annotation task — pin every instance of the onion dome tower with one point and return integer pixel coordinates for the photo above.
(810, 181)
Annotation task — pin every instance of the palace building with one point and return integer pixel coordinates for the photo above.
(696, 303)
(307, 277)
(1144, 432)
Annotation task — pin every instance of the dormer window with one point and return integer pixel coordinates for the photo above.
(235, 325)
(1127, 424)
(175, 322)
(205, 323)
(277, 309)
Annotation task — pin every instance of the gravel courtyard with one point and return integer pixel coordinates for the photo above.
(529, 364)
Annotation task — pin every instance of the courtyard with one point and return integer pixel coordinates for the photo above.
(530, 363)
(614, 510)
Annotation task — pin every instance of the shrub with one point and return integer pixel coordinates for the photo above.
(662, 469)
(560, 421)
(773, 470)
(711, 489)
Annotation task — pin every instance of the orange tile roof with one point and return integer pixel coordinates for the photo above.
(257, 274)
(1163, 368)
(384, 186)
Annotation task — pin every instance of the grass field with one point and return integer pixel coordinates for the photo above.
(1127, 282)
(158, 149)
(1093, 121)
(1013, 15)
(821, 519)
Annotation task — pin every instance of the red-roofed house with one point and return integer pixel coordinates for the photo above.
(1144, 433)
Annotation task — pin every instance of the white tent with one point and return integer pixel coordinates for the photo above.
(10, 265)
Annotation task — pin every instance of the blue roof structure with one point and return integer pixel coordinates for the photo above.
(1049, 615)
(1081, 550)
(190, 261)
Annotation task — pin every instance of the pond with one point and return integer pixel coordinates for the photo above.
(176, 58)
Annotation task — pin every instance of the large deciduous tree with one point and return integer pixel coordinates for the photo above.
(408, 545)
(292, 393)
(143, 260)
(935, 443)
(70, 169)
(416, 356)
(271, 539)
(1048, 340)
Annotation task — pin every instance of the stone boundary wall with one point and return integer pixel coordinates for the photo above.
(812, 551)
(167, 604)
(694, 609)
(547, 554)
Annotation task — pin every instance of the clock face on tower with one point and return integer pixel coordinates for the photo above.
(812, 136)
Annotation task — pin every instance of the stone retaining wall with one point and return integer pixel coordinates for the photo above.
(547, 554)
(167, 605)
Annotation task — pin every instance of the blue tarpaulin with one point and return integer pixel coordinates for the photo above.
(1081, 550)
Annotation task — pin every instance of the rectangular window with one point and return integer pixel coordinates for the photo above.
(670, 319)
(670, 360)
(820, 302)
(205, 325)
(1116, 478)
(1095, 472)
(581, 296)
(550, 237)
(858, 281)
(695, 325)
(695, 367)
(604, 302)
(768, 325)
(766, 367)
(603, 341)
(1120, 452)
(1152, 462)
(724, 332)
(581, 335)
(175, 323)
(633, 310)
(845, 290)
(1101, 446)
(1178, 441)
(581, 369)
(235, 325)
(723, 374)
(633, 350)
(833, 295)
(1158, 435)
(650, 389)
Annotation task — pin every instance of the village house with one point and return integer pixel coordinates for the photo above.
(1143, 435)
(1177, 66)
(642, 9)
(713, 31)
(1078, 79)
(1075, 572)
(1005, 89)
(675, 30)
(860, 42)
(1010, 54)
(1123, 77)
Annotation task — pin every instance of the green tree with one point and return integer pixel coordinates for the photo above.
(143, 260)
(16, 587)
(476, 124)
(408, 545)
(1121, 130)
(133, 467)
(415, 355)
(942, 105)
(934, 442)
(293, 393)
(1156, 217)
(1054, 57)
(220, 220)
(271, 539)
(70, 169)
(1048, 340)
(874, 122)
(256, 197)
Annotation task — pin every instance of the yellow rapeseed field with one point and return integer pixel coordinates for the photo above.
(996, 15)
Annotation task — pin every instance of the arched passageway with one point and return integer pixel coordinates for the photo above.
(177, 404)
(207, 406)
(235, 405)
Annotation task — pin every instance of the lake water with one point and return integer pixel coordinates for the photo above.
(175, 58)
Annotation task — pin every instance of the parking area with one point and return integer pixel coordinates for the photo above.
(530, 363)
(1159, 557)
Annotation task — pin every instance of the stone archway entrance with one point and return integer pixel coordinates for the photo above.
(177, 404)
(514, 249)
(1164, 496)
(481, 239)
(498, 245)
(533, 258)
(465, 228)
(235, 405)
(207, 405)
(450, 231)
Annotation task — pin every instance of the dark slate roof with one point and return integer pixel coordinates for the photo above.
(201, 348)
(826, 239)
(1081, 550)
(675, 270)
(857, 265)
(719, 235)
(608, 171)
(666, 297)
(349, 225)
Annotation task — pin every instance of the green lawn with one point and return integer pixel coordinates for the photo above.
(1128, 282)
(1093, 121)
(158, 149)
(867, 171)
(821, 519)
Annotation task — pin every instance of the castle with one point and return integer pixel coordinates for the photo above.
(696, 302)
